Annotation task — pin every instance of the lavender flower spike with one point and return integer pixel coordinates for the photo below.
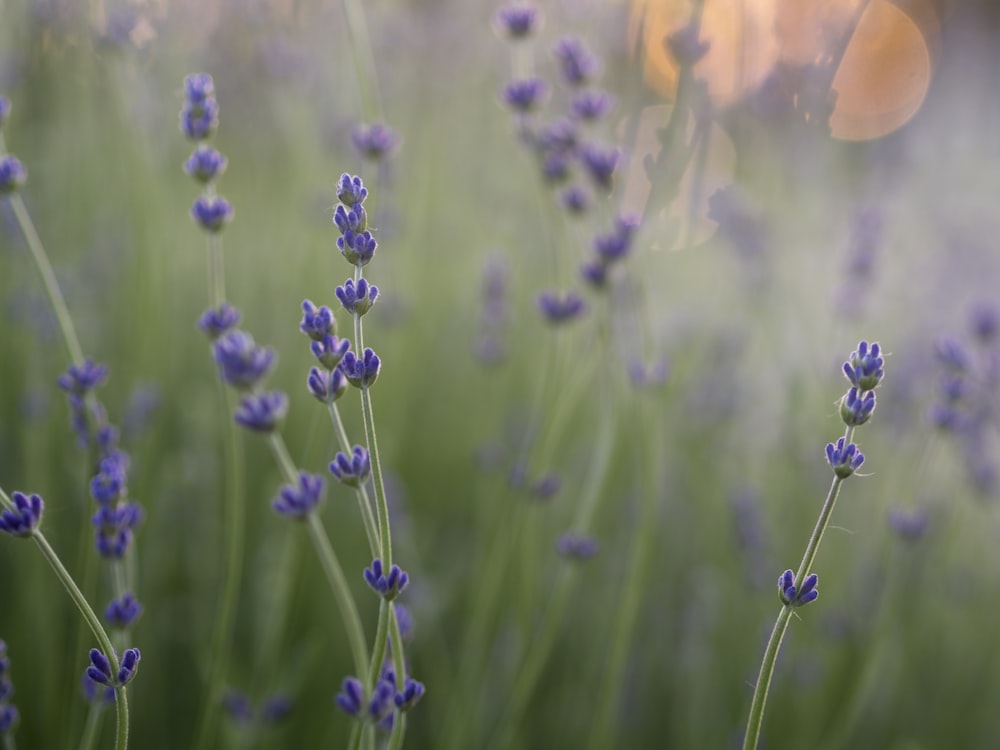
(301, 500)
(24, 519)
(205, 164)
(121, 613)
(561, 309)
(524, 95)
(326, 385)
(216, 321)
(241, 362)
(517, 21)
(390, 585)
(351, 190)
(856, 410)
(317, 322)
(865, 368)
(797, 598)
(362, 372)
(81, 379)
(351, 697)
(212, 212)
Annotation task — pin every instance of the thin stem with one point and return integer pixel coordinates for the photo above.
(398, 731)
(283, 458)
(378, 652)
(778, 633)
(92, 725)
(364, 60)
(121, 707)
(381, 507)
(216, 271)
(48, 276)
(341, 592)
(8, 741)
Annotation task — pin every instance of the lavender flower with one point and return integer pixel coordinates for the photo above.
(382, 699)
(844, 458)
(985, 322)
(351, 190)
(577, 65)
(330, 350)
(351, 219)
(375, 141)
(524, 95)
(857, 409)
(361, 372)
(951, 354)
(591, 104)
(241, 362)
(595, 273)
(214, 322)
(113, 528)
(575, 199)
(616, 244)
(100, 668)
(517, 21)
(199, 88)
(262, 412)
(561, 309)
(81, 379)
(124, 611)
(600, 163)
(238, 706)
(205, 164)
(8, 712)
(212, 212)
(5, 108)
(326, 385)
(109, 484)
(200, 113)
(410, 695)
(577, 546)
(909, 525)
(317, 322)
(351, 697)
(353, 470)
(301, 500)
(12, 174)
(26, 516)
(546, 486)
(357, 248)
(357, 299)
(797, 598)
(387, 585)
(865, 368)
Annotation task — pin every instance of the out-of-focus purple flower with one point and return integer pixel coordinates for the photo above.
(405, 621)
(199, 87)
(410, 695)
(200, 113)
(575, 199)
(124, 611)
(276, 708)
(908, 524)
(600, 163)
(525, 95)
(214, 322)
(8, 712)
(317, 322)
(591, 104)
(380, 704)
(577, 65)
(237, 704)
(25, 517)
(262, 412)
(212, 212)
(560, 309)
(560, 136)
(205, 164)
(985, 322)
(241, 362)
(12, 174)
(302, 499)
(577, 546)
(518, 20)
(94, 692)
(80, 379)
(351, 697)
(113, 528)
(616, 244)
(950, 353)
(595, 273)
(361, 371)
(376, 141)
(109, 484)
(546, 486)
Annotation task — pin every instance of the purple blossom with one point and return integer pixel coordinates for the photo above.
(326, 385)
(388, 584)
(198, 88)
(79, 380)
(600, 163)
(113, 528)
(352, 470)
(124, 611)
(357, 299)
(560, 309)
(524, 95)
(577, 546)
(575, 199)
(864, 368)
(361, 372)
(25, 517)
(844, 458)
(517, 20)
(855, 408)
(410, 695)
(205, 164)
(262, 412)
(353, 219)
(214, 322)
(591, 104)
(199, 120)
(351, 190)
(317, 322)
(300, 500)
(375, 141)
(576, 63)
(357, 248)
(351, 697)
(793, 597)
(908, 524)
(212, 212)
(100, 668)
(12, 174)
(241, 362)
(330, 350)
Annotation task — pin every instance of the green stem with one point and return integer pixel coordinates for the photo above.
(121, 707)
(756, 718)
(93, 724)
(8, 741)
(364, 60)
(48, 276)
(398, 731)
(341, 593)
(378, 651)
(381, 507)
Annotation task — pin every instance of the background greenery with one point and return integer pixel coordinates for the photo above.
(721, 466)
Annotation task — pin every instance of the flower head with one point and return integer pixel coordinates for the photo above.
(352, 470)
(577, 546)
(358, 248)
(212, 212)
(326, 385)
(80, 379)
(518, 20)
(12, 174)
(865, 368)
(857, 409)
(591, 104)
(317, 322)
(362, 371)
(351, 696)
(524, 95)
(8, 712)
(298, 501)
(600, 163)
(561, 309)
(100, 668)
(410, 695)
(113, 525)
(357, 299)
(353, 219)
(790, 596)
(844, 458)
(577, 64)
(122, 612)
(262, 412)
(205, 164)
(241, 362)
(216, 321)
(389, 584)
(375, 141)
(25, 517)
(351, 190)
(330, 350)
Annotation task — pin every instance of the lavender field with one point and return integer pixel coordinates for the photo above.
(452, 374)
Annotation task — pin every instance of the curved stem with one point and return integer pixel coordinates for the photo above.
(90, 728)
(760, 690)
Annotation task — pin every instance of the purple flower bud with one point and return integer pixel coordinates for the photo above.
(524, 95)
(100, 668)
(25, 517)
(330, 350)
(205, 164)
(844, 458)
(561, 309)
(410, 695)
(212, 212)
(864, 368)
(317, 322)
(262, 412)
(129, 666)
(517, 21)
(214, 322)
(354, 220)
(389, 584)
(376, 141)
(12, 174)
(353, 470)
(856, 410)
(357, 299)
(685, 46)
(361, 372)
(577, 546)
(600, 163)
(122, 612)
(793, 597)
(351, 697)
(300, 500)
(241, 362)
(198, 87)
(591, 104)
(80, 379)
(326, 385)
(350, 190)
(578, 66)
(357, 248)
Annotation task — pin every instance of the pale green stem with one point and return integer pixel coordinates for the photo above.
(756, 718)
(89, 735)
(364, 60)
(398, 731)
(8, 741)
(364, 503)
(378, 652)
(48, 276)
(381, 507)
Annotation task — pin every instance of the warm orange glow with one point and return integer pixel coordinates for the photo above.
(878, 54)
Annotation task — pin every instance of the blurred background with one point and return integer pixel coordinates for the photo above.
(807, 175)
